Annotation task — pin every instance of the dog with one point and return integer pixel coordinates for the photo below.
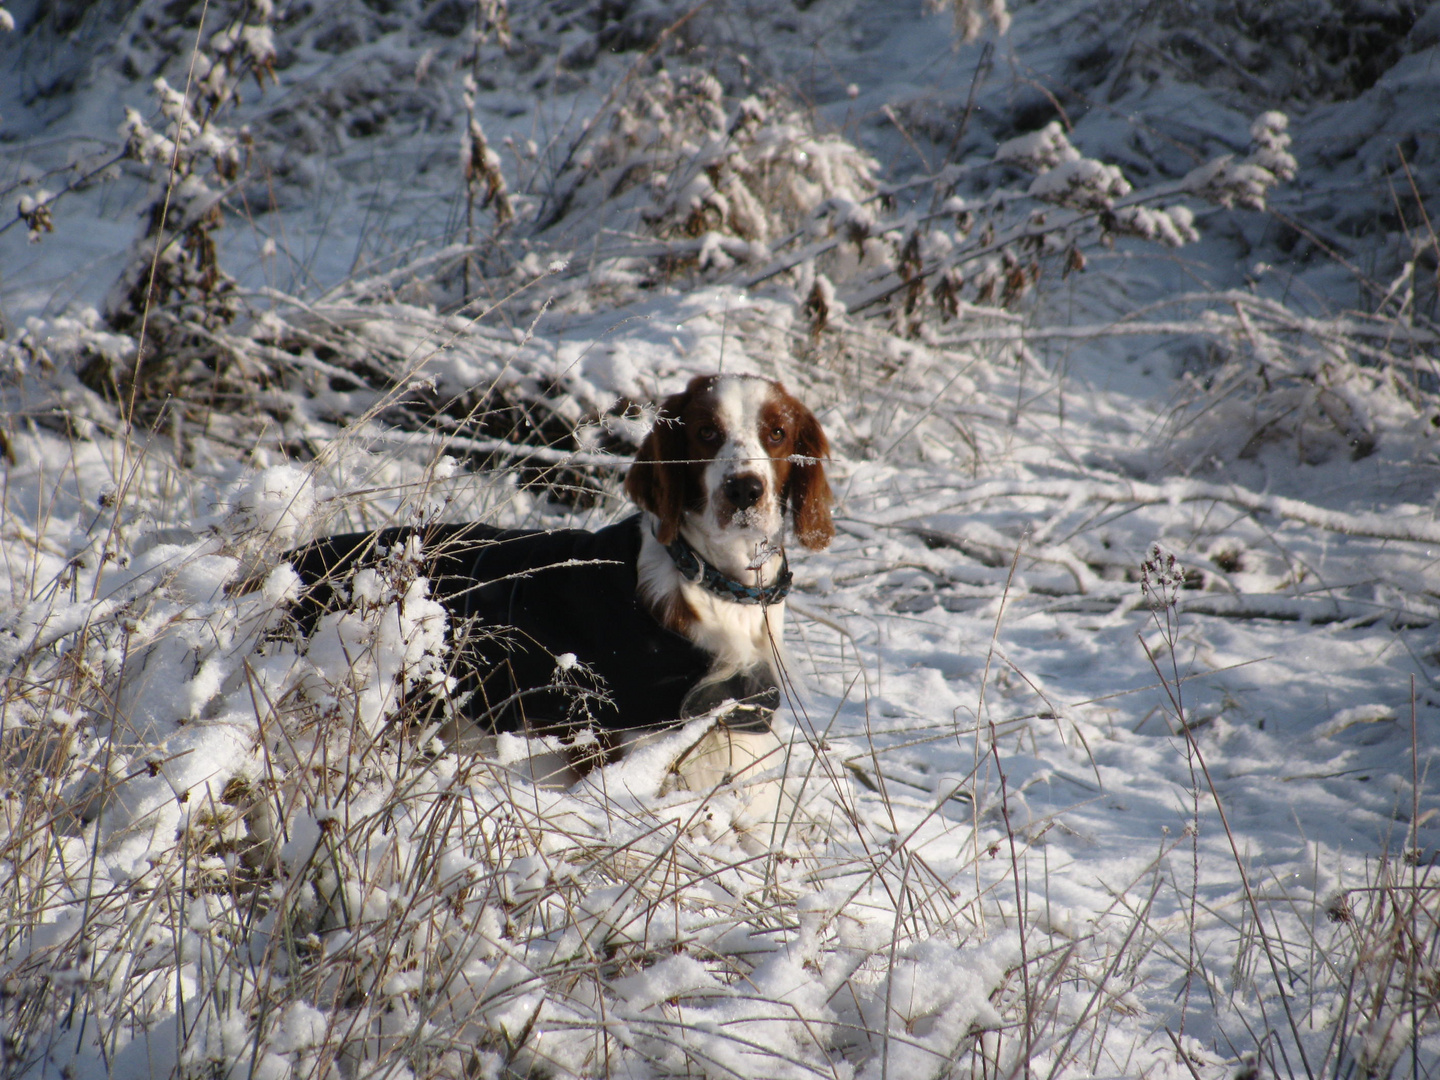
(673, 613)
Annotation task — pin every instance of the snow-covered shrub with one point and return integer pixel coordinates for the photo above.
(34, 209)
(991, 251)
(173, 294)
(751, 191)
(721, 179)
(673, 182)
(1228, 182)
(1317, 389)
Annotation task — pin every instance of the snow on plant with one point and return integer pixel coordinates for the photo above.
(991, 251)
(1173, 226)
(174, 294)
(1038, 150)
(283, 869)
(1228, 182)
(479, 164)
(1278, 376)
(1393, 1000)
(231, 850)
(168, 774)
(720, 180)
(671, 179)
(34, 209)
(65, 344)
(750, 191)
(238, 849)
(392, 645)
(1320, 388)
(1082, 184)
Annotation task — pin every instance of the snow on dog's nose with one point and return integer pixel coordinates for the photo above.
(743, 490)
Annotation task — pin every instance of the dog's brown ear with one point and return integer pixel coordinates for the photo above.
(809, 490)
(656, 481)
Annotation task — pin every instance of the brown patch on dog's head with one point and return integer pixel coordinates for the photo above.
(660, 480)
(809, 490)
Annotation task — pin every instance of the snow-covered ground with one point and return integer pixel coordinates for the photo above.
(1114, 703)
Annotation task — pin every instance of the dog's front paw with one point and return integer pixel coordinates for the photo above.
(725, 756)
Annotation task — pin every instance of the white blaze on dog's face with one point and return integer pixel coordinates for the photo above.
(741, 500)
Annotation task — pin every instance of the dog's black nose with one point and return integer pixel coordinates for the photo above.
(743, 490)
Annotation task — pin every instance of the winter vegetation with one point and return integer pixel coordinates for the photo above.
(1112, 713)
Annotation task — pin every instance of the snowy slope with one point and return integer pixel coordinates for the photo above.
(1114, 707)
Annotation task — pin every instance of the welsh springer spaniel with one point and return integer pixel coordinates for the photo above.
(671, 614)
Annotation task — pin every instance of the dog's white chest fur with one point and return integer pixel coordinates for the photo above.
(739, 636)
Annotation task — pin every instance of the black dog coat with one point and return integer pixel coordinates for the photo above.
(518, 600)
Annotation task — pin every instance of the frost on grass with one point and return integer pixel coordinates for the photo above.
(332, 880)
(232, 849)
(1230, 182)
(341, 890)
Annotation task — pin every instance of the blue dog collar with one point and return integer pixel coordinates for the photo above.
(697, 571)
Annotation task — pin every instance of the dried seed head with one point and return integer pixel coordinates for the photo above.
(1338, 908)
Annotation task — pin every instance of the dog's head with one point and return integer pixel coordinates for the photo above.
(725, 458)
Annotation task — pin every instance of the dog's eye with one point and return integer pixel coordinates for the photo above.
(708, 434)
(776, 436)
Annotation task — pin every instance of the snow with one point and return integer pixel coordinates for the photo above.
(1110, 719)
